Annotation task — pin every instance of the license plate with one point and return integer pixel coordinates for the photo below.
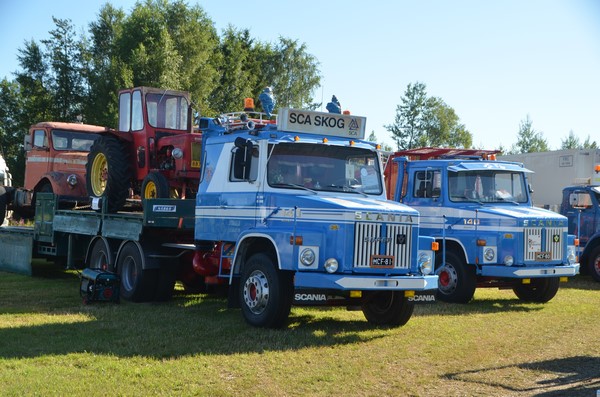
(382, 261)
(543, 256)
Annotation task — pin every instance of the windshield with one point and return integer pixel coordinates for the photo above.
(487, 186)
(73, 141)
(324, 168)
(167, 111)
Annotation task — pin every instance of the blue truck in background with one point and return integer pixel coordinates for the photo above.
(480, 212)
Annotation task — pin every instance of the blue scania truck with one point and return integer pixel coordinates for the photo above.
(289, 211)
(480, 212)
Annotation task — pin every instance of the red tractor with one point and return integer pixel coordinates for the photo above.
(153, 154)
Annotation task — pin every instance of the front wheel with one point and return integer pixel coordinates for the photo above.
(457, 281)
(265, 293)
(387, 307)
(539, 290)
(594, 264)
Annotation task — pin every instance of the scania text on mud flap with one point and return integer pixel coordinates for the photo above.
(480, 212)
(298, 213)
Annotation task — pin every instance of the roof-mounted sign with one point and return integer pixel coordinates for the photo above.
(320, 123)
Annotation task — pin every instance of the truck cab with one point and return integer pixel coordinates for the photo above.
(480, 212)
(581, 205)
(298, 211)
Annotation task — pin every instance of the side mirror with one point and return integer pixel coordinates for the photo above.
(27, 143)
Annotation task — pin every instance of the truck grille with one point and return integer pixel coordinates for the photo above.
(382, 239)
(539, 239)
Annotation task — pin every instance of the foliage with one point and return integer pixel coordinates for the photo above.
(529, 140)
(11, 135)
(422, 121)
(573, 142)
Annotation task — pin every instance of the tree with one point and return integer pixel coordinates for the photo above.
(529, 140)
(423, 121)
(411, 117)
(11, 129)
(573, 142)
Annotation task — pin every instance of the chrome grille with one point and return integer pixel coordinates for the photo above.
(372, 238)
(538, 239)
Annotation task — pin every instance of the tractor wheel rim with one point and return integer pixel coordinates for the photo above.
(99, 174)
(150, 191)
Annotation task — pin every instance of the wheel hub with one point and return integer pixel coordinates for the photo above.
(448, 278)
(256, 292)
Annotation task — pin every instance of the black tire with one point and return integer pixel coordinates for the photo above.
(457, 281)
(265, 293)
(101, 256)
(387, 307)
(2, 205)
(593, 264)
(107, 172)
(137, 284)
(540, 290)
(155, 185)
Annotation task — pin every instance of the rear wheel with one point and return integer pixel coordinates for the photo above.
(107, 172)
(100, 256)
(594, 264)
(265, 293)
(387, 307)
(539, 290)
(457, 281)
(137, 284)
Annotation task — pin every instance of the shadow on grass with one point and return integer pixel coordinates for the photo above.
(477, 306)
(584, 282)
(572, 376)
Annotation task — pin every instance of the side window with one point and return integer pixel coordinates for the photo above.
(427, 184)
(40, 139)
(124, 111)
(244, 163)
(137, 116)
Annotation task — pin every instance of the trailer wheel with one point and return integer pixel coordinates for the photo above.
(100, 257)
(155, 185)
(540, 290)
(137, 284)
(387, 307)
(457, 281)
(265, 293)
(594, 264)
(107, 172)
(2, 204)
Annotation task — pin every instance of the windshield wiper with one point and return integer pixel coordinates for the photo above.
(294, 185)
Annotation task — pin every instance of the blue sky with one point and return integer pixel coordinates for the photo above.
(494, 62)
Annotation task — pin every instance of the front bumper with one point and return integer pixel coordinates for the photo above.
(528, 271)
(364, 282)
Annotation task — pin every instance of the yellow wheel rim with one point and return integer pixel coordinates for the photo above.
(150, 190)
(99, 175)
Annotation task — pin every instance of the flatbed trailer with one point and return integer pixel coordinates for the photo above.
(147, 243)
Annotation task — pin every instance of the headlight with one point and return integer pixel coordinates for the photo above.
(571, 256)
(331, 265)
(177, 153)
(307, 257)
(508, 260)
(425, 263)
(489, 254)
(72, 179)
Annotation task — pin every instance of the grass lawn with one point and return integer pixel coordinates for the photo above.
(52, 344)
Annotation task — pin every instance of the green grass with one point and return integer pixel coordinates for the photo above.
(52, 344)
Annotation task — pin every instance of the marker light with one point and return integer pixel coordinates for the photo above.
(296, 138)
(325, 140)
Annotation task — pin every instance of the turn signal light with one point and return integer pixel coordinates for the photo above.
(296, 240)
(481, 243)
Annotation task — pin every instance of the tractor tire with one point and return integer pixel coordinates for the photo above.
(265, 293)
(540, 290)
(108, 172)
(457, 280)
(387, 307)
(155, 185)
